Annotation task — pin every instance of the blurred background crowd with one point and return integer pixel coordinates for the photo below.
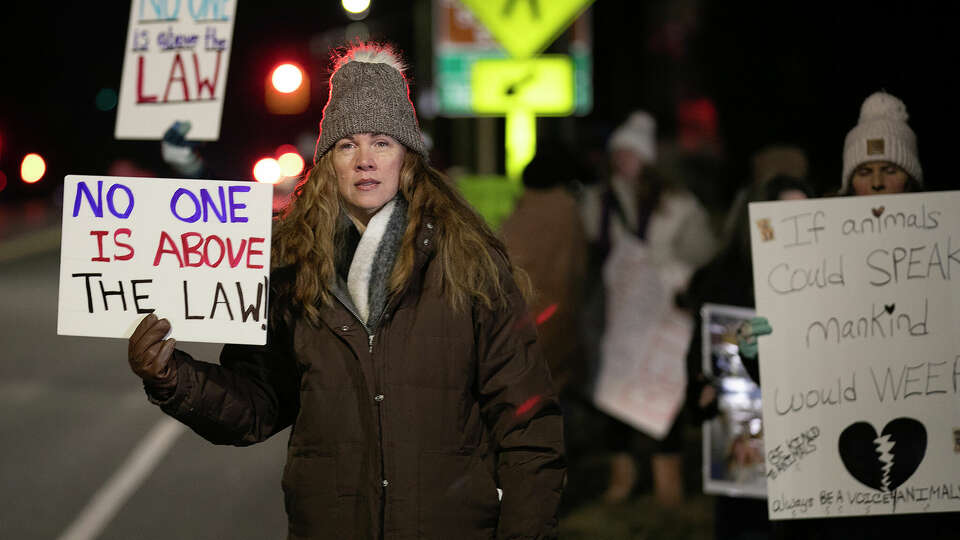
(693, 108)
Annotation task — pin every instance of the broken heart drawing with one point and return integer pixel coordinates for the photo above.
(886, 461)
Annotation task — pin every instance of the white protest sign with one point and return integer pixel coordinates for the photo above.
(861, 408)
(175, 67)
(642, 376)
(196, 252)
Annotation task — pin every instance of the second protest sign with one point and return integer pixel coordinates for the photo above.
(861, 375)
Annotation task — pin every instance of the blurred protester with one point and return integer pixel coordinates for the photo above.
(879, 157)
(636, 200)
(399, 345)
(728, 279)
(544, 236)
(676, 230)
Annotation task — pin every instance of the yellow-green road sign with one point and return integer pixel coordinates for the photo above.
(526, 27)
(542, 85)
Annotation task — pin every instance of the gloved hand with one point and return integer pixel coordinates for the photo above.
(180, 153)
(747, 336)
(150, 355)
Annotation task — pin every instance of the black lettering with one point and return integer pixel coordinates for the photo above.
(105, 293)
(186, 305)
(87, 277)
(252, 310)
(220, 293)
(137, 298)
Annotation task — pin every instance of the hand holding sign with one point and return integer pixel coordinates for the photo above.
(149, 354)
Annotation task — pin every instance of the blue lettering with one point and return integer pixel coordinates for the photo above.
(234, 206)
(208, 203)
(196, 205)
(160, 10)
(113, 209)
(96, 206)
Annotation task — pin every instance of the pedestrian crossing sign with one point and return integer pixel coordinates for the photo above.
(526, 27)
(542, 85)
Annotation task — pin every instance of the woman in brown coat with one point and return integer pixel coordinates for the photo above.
(399, 346)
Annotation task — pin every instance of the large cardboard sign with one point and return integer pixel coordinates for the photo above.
(175, 67)
(642, 376)
(196, 252)
(733, 457)
(861, 375)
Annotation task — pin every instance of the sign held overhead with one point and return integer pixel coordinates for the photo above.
(175, 68)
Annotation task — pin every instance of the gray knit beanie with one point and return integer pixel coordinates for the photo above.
(369, 94)
(881, 134)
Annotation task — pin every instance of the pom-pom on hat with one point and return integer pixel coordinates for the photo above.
(881, 134)
(369, 94)
(639, 134)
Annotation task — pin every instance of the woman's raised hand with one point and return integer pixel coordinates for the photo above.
(150, 355)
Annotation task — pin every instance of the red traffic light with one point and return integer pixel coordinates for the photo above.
(287, 89)
(286, 78)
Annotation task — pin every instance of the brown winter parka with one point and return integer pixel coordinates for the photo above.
(404, 433)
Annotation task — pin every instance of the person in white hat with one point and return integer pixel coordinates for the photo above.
(675, 232)
(880, 152)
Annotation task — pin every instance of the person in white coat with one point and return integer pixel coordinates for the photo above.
(675, 229)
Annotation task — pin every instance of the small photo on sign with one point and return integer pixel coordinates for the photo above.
(733, 440)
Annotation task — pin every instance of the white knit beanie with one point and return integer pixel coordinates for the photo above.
(639, 134)
(881, 134)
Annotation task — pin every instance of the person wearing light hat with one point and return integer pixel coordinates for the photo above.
(879, 158)
(674, 230)
(400, 348)
(880, 152)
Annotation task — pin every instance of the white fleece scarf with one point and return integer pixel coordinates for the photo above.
(358, 279)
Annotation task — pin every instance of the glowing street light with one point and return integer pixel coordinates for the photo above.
(287, 78)
(267, 171)
(355, 6)
(291, 164)
(32, 168)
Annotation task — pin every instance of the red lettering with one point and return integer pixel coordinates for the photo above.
(235, 258)
(99, 235)
(140, 97)
(205, 82)
(177, 61)
(251, 251)
(165, 239)
(191, 249)
(129, 254)
(206, 254)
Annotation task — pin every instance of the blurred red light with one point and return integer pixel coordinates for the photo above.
(3, 180)
(287, 78)
(32, 168)
(267, 171)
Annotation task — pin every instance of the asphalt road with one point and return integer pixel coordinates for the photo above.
(82, 450)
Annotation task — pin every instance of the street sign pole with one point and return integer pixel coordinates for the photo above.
(521, 141)
(525, 85)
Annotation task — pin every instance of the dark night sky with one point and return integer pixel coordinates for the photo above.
(777, 73)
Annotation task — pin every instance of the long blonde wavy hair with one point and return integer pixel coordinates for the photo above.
(305, 238)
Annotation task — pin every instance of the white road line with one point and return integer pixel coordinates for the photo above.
(111, 497)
